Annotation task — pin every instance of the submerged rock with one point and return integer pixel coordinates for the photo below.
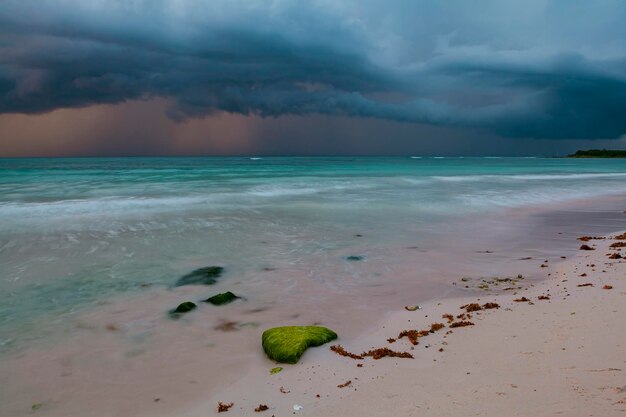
(221, 299)
(287, 344)
(201, 276)
(354, 258)
(182, 308)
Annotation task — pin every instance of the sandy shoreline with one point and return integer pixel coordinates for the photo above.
(521, 359)
(562, 356)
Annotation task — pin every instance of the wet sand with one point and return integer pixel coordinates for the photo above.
(126, 358)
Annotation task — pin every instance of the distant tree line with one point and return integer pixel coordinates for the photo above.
(598, 153)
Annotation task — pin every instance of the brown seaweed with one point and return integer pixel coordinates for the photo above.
(339, 350)
(461, 324)
(222, 408)
(436, 326)
(588, 238)
(382, 352)
(471, 307)
(412, 335)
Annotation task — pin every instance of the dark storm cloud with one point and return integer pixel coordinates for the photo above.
(516, 70)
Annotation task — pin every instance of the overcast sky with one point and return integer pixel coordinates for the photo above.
(156, 77)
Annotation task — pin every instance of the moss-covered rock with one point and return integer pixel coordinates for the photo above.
(183, 308)
(221, 299)
(201, 276)
(287, 344)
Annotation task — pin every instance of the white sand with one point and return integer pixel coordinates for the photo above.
(565, 356)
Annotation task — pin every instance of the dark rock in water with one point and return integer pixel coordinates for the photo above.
(202, 276)
(354, 258)
(221, 299)
(182, 308)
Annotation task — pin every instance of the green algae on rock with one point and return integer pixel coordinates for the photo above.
(221, 299)
(182, 308)
(201, 276)
(287, 344)
(354, 258)
(276, 370)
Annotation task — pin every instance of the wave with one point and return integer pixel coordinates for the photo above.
(537, 197)
(532, 177)
(106, 205)
(196, 199)
(278, 191)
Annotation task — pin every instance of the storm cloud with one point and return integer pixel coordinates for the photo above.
(537, 69)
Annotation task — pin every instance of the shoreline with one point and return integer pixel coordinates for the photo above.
(318, 368)
(557, 356)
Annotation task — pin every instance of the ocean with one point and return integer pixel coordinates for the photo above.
(77, 233)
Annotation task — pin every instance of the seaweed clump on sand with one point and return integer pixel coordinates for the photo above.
(373, 353)
(221, 299)
(435, 327)
(620, 237)
(287, 344)
(382, 352)
(463, 323)
(588, 238)
(522, 300)
(261, 407)
(586, 247)
(489, 306)
(413, 335)
(472, 307)
(339, 350)
(201, 276)
(586, 284)
(223, 407)
(615, 256)
(618, 245)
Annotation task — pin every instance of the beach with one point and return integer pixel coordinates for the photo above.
(117, 352)
(560, 353)
(291, 208)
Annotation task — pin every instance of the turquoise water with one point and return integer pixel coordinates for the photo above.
(74, 232)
